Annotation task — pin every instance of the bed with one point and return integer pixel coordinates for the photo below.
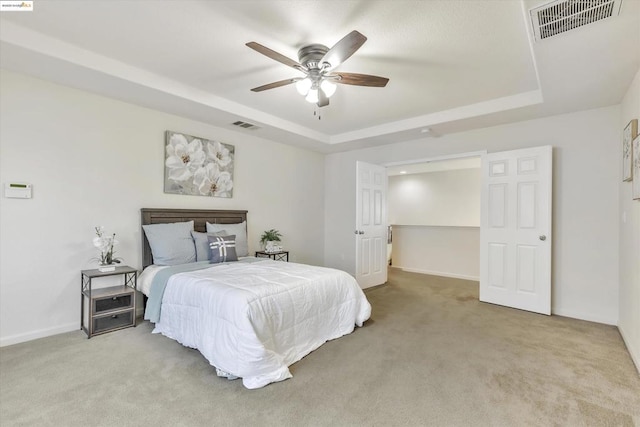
(251, 318)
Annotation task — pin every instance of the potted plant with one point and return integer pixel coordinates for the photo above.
(269, 238)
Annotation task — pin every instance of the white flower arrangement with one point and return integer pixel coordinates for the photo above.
(198, 166)
(105, 245)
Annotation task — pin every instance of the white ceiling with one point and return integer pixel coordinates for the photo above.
(453, 65)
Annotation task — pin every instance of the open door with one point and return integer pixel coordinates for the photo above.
(371, 224)
(515, 232)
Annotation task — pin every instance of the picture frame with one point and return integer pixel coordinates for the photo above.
(628, 135)
(197, 166)
(635, 187)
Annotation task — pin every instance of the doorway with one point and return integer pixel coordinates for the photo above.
(434, 216)
(514, 230)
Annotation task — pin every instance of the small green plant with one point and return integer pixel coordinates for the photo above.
(270, 236)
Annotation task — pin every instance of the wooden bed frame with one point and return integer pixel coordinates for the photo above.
(200, 218)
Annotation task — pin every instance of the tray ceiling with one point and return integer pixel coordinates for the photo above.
(452, 65)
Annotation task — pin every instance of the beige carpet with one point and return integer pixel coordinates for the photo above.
(431, 355)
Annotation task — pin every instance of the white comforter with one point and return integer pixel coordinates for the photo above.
(254, 320)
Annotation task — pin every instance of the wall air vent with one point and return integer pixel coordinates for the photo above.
(564, 15)
(245, 125)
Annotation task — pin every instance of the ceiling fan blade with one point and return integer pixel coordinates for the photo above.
(342, 50)
(323, 100)
(360, 79)
(276, 56)
(274, 85)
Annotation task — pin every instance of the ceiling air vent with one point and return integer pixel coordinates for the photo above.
(245, 125)
(561, 16)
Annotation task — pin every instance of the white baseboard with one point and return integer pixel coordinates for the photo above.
(29, 336)
(42, 333)
(438, 273)
(584, 316)
(633, 351)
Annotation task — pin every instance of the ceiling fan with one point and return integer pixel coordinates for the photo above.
(317, 63)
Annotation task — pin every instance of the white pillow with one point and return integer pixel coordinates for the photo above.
(239, 230)
(171, 243)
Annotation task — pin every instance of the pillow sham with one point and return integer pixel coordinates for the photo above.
(171, 243)
(202, 243)
(223, 248)
(239, 230)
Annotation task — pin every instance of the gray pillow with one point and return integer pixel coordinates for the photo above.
(223, 248)
(239, 230)
(202, 243)
(171, 243)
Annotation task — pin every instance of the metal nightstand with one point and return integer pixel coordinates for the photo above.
(276, 256)
(110, 308)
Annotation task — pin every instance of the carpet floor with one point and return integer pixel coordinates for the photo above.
(431, 355)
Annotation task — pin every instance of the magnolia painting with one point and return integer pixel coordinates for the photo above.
(197, 166)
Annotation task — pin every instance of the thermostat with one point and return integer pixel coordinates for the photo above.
(17, 190)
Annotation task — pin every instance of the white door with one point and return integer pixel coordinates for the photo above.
(515, 232)
(371, 225)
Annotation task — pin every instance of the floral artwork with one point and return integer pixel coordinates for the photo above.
(197, 166)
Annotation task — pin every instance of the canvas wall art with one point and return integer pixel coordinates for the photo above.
(635, 187)
(198, 166)
(629, 133)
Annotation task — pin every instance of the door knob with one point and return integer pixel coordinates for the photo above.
(360, 232)
(543, 237)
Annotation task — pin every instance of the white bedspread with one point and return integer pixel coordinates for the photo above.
(254, 320)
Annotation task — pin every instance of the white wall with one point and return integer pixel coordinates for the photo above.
(585, 200)
(96, 161)
(629, 323)
(442, 251)
(436, 198)
(436, 220)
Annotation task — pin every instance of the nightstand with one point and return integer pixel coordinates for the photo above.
(108, 309)
(276, 256)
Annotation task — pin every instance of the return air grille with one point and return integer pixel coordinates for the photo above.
(562, 16)
(245, 125)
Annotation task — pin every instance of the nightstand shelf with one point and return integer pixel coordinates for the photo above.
(108, 309)
(276, 256)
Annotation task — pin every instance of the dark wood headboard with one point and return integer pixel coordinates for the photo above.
(200, 218)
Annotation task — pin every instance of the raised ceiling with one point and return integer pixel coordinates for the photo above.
(452, 65)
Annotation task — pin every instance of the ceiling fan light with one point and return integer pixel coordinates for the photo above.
(328, 87)
(312, 96)
(303, 86)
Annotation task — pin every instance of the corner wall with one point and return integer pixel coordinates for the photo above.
(629, 322)
(585, 272)
(96, 161)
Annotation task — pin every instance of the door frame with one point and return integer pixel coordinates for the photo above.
(482, 154)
